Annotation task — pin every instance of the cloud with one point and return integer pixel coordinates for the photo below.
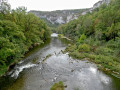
(50, 5)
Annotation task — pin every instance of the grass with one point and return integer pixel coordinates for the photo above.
(49, 55)
(102, 55)
(58, 86)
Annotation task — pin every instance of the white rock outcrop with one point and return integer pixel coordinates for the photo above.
(64, 16)
(96, 5)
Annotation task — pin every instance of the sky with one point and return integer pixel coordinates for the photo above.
(51, 5)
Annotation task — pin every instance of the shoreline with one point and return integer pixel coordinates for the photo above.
(34, 47)
(100, 66)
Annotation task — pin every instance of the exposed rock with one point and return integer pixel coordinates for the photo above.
(59, 16)
(72, 70)
(65, 86)
(64, 16)
(97, 5)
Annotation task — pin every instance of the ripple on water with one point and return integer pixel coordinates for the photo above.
(93, 70)
(54, 35)
(15, 73)
(105, 79)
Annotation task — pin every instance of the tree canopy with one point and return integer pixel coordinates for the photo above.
(19, 31)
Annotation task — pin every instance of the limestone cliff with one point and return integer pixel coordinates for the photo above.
(59, 16)
(64, 16)
(97, 5)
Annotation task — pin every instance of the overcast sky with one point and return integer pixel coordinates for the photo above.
(50, 5)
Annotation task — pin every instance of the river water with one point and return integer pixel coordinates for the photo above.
(47, 65)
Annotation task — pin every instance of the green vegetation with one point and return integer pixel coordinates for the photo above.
(96, 36)
(49, 55)
(58, 86)
(19, 31)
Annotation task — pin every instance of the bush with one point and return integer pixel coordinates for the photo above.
(58, 86)
(78, 55)
(84, 48)
(81, 39)
(71, 48)
(60, 35)
(104, 51)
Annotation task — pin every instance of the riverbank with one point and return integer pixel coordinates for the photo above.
(99, 54)
(63, 37)
(103, 62)
(31, 49)
(18, 37)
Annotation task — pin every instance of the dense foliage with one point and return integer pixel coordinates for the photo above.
(97, 36)
(19, 31)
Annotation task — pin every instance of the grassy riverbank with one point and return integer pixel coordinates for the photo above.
(101, 55)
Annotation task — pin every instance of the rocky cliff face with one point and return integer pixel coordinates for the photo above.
(96, 5)
(59, 16)
(64, 16)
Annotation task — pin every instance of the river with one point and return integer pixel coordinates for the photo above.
(47, 65)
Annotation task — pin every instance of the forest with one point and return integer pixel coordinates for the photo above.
(19, 31)
(96, 36)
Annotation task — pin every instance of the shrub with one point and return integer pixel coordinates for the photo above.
(81, 39)
(77, 55)
(92, 56)
(84, 48)
(104, 51)
(58, 86)
(60, 35)
(71, 48)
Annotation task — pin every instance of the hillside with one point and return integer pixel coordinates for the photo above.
(55, 18)
(96, 36)
(59, 16)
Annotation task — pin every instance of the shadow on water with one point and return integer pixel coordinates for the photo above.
(35, 49)
(33, 74)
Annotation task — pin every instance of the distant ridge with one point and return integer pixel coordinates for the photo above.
(54, 18)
